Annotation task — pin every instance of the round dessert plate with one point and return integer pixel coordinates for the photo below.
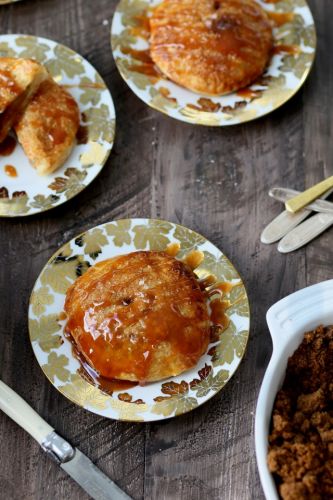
(28, 193)
(154, 401)
(293, 55)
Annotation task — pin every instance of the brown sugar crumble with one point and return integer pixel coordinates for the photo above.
(300, 454)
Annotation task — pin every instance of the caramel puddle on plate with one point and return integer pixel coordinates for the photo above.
(92, 85)
(248, 93)
(142, 27)
(10, 170)
(146, 67)
(280, 18)
(286, 49)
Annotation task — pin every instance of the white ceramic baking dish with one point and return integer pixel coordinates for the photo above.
(287, 321)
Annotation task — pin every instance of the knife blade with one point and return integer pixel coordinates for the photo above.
(285, 194)
(305, 232)
(286, 221)
(70, 459)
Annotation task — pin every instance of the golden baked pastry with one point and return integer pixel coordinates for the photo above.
(211, 46)
(138, 317)
(19, 80)
(48, 128)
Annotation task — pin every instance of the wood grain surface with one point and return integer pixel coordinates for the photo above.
(214, 181)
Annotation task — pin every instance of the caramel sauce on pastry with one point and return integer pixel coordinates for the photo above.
(139, 317)
(210, 46)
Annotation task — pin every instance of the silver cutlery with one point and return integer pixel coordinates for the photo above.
(70, 459)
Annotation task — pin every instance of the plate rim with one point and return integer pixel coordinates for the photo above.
(160, 417)
(112, 109)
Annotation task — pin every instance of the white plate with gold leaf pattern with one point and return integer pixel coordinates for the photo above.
(154, 401)
(28, 193)
(293, 55)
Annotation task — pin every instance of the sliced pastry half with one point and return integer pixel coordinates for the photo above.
(19, 81)
(48, 127)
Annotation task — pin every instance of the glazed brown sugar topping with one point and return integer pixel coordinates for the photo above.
(54, 106)
(301, 440)
(211, 46)
(8, 86)
(140, 317)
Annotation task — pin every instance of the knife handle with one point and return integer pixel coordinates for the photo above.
(18, 410)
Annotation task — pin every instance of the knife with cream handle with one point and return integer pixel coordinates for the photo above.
(285, 194)
(301, 200)
(75, 463)
(286, 221)
(305, 232)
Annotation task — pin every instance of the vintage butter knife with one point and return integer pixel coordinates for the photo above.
(285, 221)
(75, 463)
(305, 232)
(285, 194)
(303, 199)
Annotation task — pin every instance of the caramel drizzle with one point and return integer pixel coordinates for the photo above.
(218, 316)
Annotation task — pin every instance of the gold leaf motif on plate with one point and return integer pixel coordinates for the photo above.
(100, 125)
(43, 331)
(71, 184)
(61, 273)
(120, 232)
(84, 394)
(56, 367)
(177, 401)
(151, 236)
(41, 298)
(6, 51)
(44, 202)
(32, 48)
(209, 382)
(92, 242)
(232, 343)
(65, 61)
(91, 89)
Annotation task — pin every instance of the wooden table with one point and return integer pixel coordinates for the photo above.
(214, 181)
